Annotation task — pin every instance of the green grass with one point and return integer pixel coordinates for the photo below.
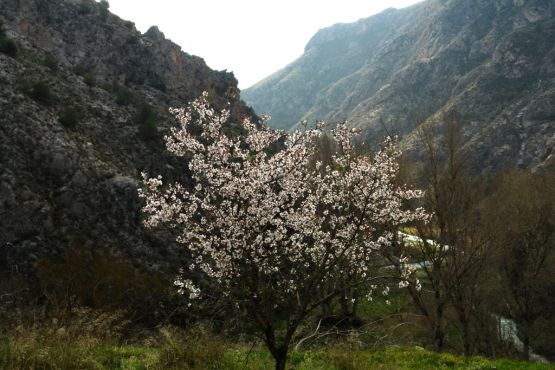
(125, 357)
(198, 352)
(37, 353)
(397, 358)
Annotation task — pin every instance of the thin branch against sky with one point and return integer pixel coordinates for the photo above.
(252, 38)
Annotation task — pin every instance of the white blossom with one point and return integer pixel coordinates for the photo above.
(274, 216)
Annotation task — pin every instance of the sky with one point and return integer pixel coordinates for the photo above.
(251, 38)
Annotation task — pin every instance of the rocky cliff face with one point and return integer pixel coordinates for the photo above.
(491, 61)
(77, 183)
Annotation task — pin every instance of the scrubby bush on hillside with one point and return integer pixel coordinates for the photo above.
(157, 83)
(69, 117)
(123, 95)
(103, 9)
(83, 8)
(88, 76)
(134, 76)
(79, 69)
(103, 281)
(7, 45)
(147, 121)
(89, 79)
(50, 62)
(39, 91)
(132, 40)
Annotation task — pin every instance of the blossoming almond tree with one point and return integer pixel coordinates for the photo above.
(270, 229)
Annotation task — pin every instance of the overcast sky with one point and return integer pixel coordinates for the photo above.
(252, 38)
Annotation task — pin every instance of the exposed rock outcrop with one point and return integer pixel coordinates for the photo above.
(60, 184)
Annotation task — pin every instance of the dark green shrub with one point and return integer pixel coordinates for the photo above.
(157, 83)
(39, 91)
(134, 77)
(89, 79)
(146, 119)
(84, 9)
(79, 70)
(104, 6)
(132, 40)
(7, 45)
(123, 96)
(69, 117)
(50, 62)
(84, 72)
(128, 24)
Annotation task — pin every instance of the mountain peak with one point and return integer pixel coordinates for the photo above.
(155, 34)
(340, 31)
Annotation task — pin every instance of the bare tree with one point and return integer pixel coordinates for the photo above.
(520, 217)
(450, 245)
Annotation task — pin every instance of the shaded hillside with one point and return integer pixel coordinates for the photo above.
(491, 61)
(83, 108)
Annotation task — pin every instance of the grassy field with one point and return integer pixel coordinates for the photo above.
(34, 352)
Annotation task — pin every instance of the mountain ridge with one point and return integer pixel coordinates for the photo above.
(483, 59)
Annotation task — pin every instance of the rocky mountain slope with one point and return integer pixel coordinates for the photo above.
(83, 107)
(491, 61)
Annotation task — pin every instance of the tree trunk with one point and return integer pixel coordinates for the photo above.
(438, 331)
(485, 335)
(526, 342)
(327, 309)
(279, 354)
(438, 338)
(466, 338)
(464, 321)
(281, 359)
(356, 297)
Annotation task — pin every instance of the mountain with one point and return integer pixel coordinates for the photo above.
(84, 104)
(491, 61)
